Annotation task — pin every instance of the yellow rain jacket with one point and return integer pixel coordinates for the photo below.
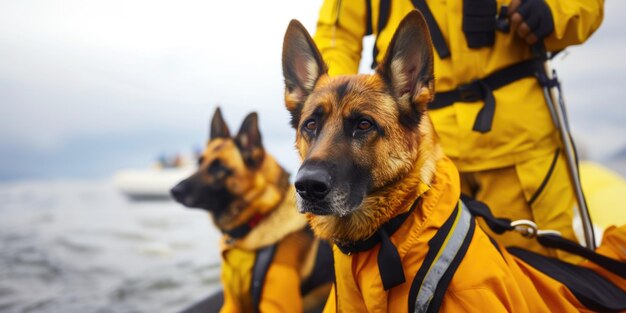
(522, 127)
(281, 287)
(487, 278)
(296, 275)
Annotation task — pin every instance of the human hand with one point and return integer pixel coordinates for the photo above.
(531, 19)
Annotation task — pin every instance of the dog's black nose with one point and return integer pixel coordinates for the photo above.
(312, 183)
(180, 191)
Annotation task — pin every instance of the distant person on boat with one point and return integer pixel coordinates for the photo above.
(489, 110)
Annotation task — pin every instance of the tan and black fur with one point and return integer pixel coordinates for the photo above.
(365, 140)
(235, 179)
(238, 183)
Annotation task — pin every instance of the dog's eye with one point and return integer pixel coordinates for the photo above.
(200, 160)
(218, 169)
(311, 125)
(364, 124)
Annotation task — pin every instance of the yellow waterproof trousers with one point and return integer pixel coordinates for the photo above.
(538, 189)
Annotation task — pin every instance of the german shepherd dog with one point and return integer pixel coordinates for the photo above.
(251, 201)
(359, 136)
(375, 182)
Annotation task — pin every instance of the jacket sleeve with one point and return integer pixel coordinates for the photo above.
(339, 36)
(574, 21)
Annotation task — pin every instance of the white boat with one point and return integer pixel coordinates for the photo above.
(153, 183)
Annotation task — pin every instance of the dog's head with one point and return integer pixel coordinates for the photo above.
(235, 178)
(357, 134)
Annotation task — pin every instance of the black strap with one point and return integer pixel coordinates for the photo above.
(435, 33)
(323, 270)
(482, 89)
(477, 208)
(435, 244)
(444, 283)
(243, 230)
(479, 22)
(389, 263)
(558, 242)
(383, 17)
(262, 263)
(369, 29)
(500, 225)
(239, 231)
(591, 289)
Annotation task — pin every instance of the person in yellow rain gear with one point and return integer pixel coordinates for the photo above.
(489, 110)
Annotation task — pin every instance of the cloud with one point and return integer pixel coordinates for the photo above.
(79, 74)
(81, 67)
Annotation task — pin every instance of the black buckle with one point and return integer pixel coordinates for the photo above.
(470, 92)
(502, 20)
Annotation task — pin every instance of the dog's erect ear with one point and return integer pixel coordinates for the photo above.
(302, 66)
(408, 64)
(249, 141)
(219, 129)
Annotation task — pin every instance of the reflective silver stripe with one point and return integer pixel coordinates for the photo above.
(446, 254)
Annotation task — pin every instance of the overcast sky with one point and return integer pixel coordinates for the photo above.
(87, 87)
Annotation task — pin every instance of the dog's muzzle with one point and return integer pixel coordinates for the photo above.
(181, 193)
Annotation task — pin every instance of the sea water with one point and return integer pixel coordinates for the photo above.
(80, 246)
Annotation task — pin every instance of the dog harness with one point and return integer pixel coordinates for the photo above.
(389, 263)
(319, 276)
(448, 247)
(446, 250)
(592, 290)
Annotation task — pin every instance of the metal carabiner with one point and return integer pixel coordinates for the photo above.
(527, 228)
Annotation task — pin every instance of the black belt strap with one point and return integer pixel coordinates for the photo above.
(593, 291)
(435, 33)
(499, 225)
(323, 269)
(262, 263)
(389, 262)
(383, 17)
(482, 89)
(477, 208)
(445, 252)
(369, 29)
(561, 243)
(245, 228)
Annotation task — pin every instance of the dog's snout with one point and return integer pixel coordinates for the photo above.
(312, 183)
(180, 191)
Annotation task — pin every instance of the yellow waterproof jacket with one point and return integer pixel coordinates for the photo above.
(281, 286)
(487, 279)
(522, 127)
(297, 272)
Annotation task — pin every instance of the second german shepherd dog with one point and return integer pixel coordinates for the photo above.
(270, 259)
